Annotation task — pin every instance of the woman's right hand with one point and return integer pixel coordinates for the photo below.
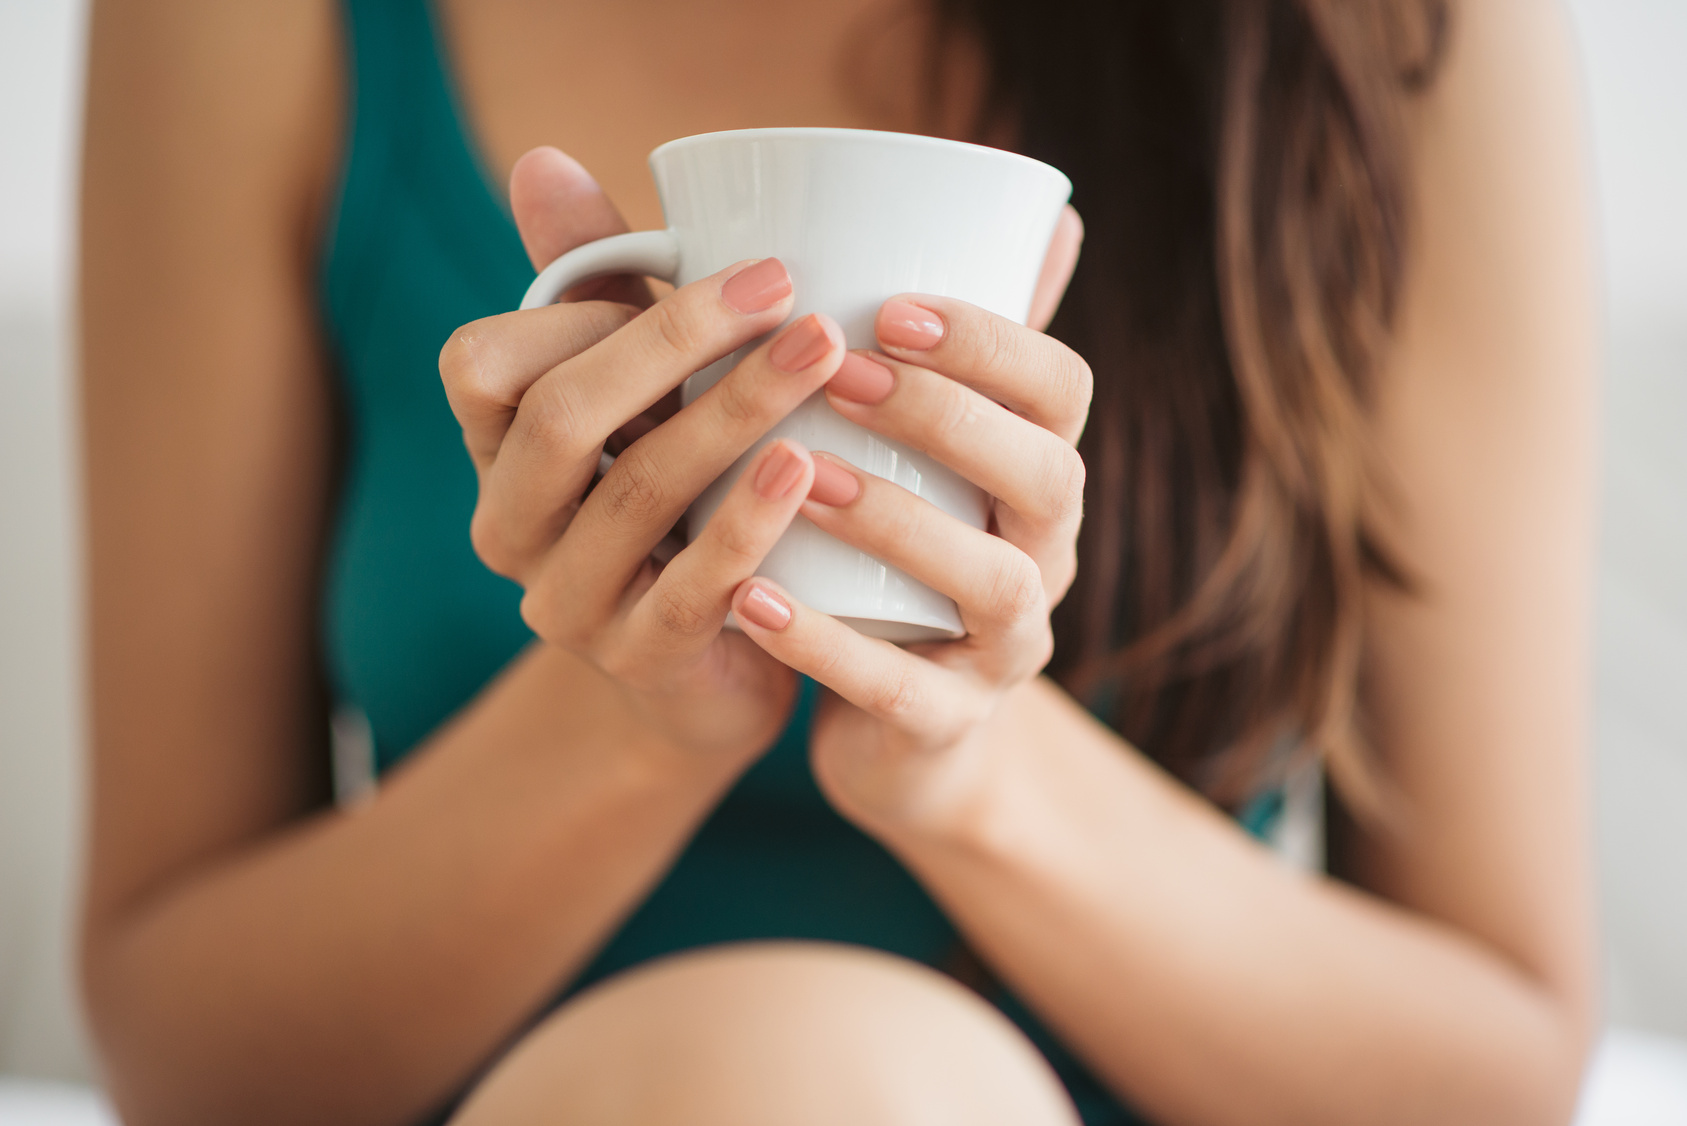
(539, 392)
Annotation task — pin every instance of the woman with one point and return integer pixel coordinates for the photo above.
(1335, 484)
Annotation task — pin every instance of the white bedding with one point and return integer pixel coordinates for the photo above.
(1636, 1080)
(29, 1102)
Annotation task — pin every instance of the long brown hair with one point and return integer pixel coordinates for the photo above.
(1242, 170)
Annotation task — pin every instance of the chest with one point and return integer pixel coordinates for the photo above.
(607, 83)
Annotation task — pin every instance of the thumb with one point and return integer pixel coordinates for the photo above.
(557, 207)
(1058, 264)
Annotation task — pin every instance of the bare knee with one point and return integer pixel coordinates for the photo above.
(773, 1033)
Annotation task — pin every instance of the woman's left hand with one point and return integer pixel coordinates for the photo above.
(902, 739)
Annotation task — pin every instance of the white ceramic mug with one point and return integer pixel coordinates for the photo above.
(856, 217)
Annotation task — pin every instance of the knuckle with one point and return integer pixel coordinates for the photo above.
(472, 388)
(902, 519)
(680, 325)
(956, 411)
(1015, 589)
(459, 365)
(467, 365)
(827, 662)
(998, 347)
(1073, 383)
(739, 547)
(737, 402)
(1063, 487)
(632, 493)
(589, 322)
(491, 545)
(478, 368)
(550, 417)
(677, 612)
(899, 696)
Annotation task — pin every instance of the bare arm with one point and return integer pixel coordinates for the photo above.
(1182, 952)
(1198, 976)
(250, 956)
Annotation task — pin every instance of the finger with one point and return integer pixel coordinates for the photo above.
(681, 614)
(488, 365)
(558, 206)
(888, 683)
(551, 449)
(997, 587)
(650, 485)
(1031, 471)
(1058, 264)
(1032, 374)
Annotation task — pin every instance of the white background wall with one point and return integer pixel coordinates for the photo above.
(1638, 93)
(1638, 96)
(40, 722)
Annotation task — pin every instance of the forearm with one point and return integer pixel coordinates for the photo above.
(358, 967)
(1209, 983)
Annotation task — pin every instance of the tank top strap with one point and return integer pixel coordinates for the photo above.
(410, 167)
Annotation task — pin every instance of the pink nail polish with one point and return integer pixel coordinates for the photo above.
(902, 324)
(764, 608)
(801, 346)
(834, 486)
(861, 380)
(778, 473)
(757, 287)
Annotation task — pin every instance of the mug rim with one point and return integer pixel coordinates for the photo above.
(880, 136)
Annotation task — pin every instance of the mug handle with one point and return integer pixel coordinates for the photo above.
(654, 254)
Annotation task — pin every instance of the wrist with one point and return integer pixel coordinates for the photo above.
(549, 757)
(960, 797)
(693, 737)
(1000, 804)
(562, 714)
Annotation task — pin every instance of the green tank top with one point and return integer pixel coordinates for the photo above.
(414, 626)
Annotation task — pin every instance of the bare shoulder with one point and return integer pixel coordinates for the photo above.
(1485, 412)
(1477, 683)
(193, 103)
(1503, 210)
(211, 139)
(1497, 333)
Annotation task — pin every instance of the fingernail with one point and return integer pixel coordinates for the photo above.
(801, 346)
(757, 287)
(778, 472)
(833, 485)
(861, 380)
(764, 608)
(905, 325)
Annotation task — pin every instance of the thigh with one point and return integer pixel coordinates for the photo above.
(773, 1034)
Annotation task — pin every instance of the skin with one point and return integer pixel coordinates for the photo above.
(252, 955)
(762, 1034)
